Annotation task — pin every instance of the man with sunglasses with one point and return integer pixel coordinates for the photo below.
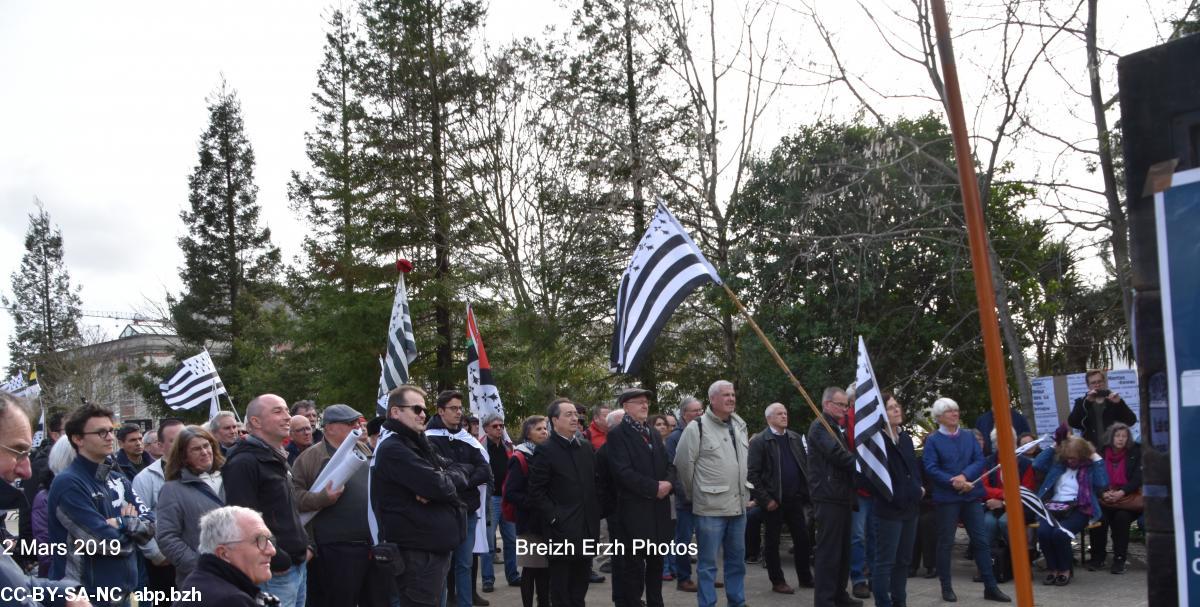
(416, 516)
(94, 512)
(499, 450)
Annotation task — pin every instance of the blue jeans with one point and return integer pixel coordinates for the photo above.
(461, 562)
(685, 527)
(728, 533)
(291, 587)
(862, 540)
(1056, 545)
(893, 552)
(971, 514)
(995, 527)
(508, 533)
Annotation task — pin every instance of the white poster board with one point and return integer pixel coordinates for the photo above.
(1124, 382)
(1045, 405)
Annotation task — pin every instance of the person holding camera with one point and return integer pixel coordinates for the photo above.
(1099, 409)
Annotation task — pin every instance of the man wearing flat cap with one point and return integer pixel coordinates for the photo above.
(340, 573)
(637, 466)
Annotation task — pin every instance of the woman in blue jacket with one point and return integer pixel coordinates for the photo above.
(1073, 481)
(895, 518)
(953, 460)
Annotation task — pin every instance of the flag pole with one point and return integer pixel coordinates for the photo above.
(778, 359)
(988, 321)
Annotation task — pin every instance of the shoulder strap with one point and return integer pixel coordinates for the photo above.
(524, 463)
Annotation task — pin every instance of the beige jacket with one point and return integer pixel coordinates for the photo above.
(712, 467)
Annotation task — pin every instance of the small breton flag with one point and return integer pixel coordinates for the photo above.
(193, 383)
(483, 394)
(666, 267)
(401, 342)
(15, 384)
(40, 430)
(870, 426)
(381, 397)
(1035, 504)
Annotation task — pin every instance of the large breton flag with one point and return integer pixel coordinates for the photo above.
(666, 267)
(193, 383)
(1035, 504)
(870, 425)
(401, 343)
(23, 385)
(484, 396)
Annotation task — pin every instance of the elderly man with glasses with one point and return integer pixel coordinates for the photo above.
(235, 558)
(499, 450)
(831, 487)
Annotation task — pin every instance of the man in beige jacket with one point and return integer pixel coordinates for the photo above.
(711, 462)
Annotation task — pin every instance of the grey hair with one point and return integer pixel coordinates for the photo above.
(687, 400)
(223, 526)
(12, 400)
(942, 405)
(851, 390)
(717, 386)
(215, 422)
(995, 445)
(829, 393)
(771, 408)
(489, 418)
(150, 437)
(614, 417)
(61, 455)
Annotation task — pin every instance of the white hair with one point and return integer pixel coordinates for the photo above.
(717, 386)
(773, 407)
(61, 455)
(614, 417)
(994, 445)
(215, 422)
(943, 405)
(223, 526)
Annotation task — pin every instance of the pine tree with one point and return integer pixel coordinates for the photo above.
(229, 261)
(44, 307)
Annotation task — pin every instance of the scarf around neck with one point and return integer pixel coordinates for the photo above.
(1083, 476)
(1114, 463)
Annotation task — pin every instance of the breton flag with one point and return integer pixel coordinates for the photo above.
(1034, 503)
(23, 385)
(666, 267)
(40, 430)
(381, 397)
(193, 383)
(484, 396)
(402, 344)
(870, 425)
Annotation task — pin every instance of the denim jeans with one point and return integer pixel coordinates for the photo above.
(464, 590)
(508, 533)
(995, 527)
(727, 533)
(862, 540)
(971, 514)
(290, 587)
(685, 527)
(893, 551)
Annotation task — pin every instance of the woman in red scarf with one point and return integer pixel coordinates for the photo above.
(1123, 461)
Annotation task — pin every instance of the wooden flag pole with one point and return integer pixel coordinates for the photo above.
(997, 378)
(779, 360)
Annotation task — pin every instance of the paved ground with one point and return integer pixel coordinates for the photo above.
(1098, 589)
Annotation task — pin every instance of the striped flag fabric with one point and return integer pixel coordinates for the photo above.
(402, 343)
(870, 425)
(381, 397)
(24, 385)
(1035, 504)
(481, 388)
(666, 267)
(15, 384)
(40, 430)
(193, 383)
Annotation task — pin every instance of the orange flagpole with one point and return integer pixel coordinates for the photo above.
(997, 378)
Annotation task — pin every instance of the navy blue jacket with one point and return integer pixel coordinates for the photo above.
(126, 466)
(672, 445)
(906, 481)
(516, 483)
(948, 456)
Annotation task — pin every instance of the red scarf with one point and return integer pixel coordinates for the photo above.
(1114, 463)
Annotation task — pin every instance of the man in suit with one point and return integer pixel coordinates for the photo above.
(637, 463)
(563, 485)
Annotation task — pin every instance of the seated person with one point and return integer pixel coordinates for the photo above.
(1075, 479)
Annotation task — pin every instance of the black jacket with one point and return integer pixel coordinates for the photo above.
(406, 466)
(257, 476)
(1084, 412)
(220, 584)
(763, 471)
(562, 486)
(467, 458)
(635, 467)
(516, 491)
(906, 481)
(672, 444)
(830, 465)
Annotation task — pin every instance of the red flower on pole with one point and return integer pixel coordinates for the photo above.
(405, 266)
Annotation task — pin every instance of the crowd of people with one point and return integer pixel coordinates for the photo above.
(228, 508)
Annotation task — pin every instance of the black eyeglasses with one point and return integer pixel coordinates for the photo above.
(260, 541)
(418, 409)
(102, 432)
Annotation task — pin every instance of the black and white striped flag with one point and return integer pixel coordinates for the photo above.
(870, 425)
(1035, 504)
(666, 267)
(402, 343)
(193, 383)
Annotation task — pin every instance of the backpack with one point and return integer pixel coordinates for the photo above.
(508, 510)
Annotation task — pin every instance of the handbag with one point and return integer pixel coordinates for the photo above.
(1133, 502)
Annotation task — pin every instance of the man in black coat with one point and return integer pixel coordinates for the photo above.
(778, 469)
(637, 463)
(235, 557)
(831, 486)
(1099, 409)
(414, 500)
(562, 484)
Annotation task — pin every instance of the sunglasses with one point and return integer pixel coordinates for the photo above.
(418, 409)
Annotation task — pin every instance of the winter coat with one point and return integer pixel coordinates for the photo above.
(220, 584)
(635, 467)
(464, 455)
(562, 487)
(712, 465)
(906, 481)
(257, 476)
(516, 491)
(672, 446)
(1054, 469)
(406, 466)
(764, 471)
(948, 456)
(1083, 414)
(830, 465)
(181, 503)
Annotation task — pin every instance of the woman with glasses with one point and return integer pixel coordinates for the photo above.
(193, 488)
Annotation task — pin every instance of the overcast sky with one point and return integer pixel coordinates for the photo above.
(102, 105)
